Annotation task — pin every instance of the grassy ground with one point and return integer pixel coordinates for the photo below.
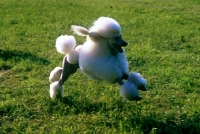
(164, 47)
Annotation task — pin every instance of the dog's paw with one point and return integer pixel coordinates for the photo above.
(56, 90)
(138, 80)
(129, 91)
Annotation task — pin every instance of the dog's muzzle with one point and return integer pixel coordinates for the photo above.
(120, 44)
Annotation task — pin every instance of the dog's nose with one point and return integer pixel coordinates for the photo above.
(124, 43)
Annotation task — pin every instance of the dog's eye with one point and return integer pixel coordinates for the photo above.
(117, 38)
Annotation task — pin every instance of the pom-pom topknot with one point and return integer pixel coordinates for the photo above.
(65, 44)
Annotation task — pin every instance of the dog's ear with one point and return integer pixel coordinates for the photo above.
(95, 35)
(80, 30)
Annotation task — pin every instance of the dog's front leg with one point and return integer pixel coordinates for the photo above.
(139, 87)
(119, 80)
(125, 76)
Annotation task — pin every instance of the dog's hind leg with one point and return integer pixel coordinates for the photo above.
(68, 69)
(56, 87)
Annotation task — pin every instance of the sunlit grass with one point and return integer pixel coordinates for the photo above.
(164, 47)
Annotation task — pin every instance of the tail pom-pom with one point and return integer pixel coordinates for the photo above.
(56, 90)
(65, 44)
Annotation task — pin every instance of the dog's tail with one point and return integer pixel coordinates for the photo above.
(65, 44)
(80, 30)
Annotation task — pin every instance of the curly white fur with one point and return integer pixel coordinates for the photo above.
(56, 90)
(129, 89)
(137, 79)
(55, 74)
(106, 27)
(99, 58)
(95, 57)
(65, 44)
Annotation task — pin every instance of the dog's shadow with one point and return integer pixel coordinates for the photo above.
(6, 55)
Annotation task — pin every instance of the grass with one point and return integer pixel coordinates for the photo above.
(164, 47)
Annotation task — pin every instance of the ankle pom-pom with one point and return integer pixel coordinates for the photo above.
(137, 79)
(129, 91)
(56, 90)
(55, 74)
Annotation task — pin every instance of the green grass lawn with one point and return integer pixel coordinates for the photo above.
(164, 46)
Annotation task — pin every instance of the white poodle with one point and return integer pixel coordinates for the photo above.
(101, 57)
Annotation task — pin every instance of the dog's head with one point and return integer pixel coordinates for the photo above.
(109, 29)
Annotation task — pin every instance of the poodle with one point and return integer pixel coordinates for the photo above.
(100, 57)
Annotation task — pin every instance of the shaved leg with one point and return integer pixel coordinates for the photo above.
(119, 80)
(125, 76)
(68, 69)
